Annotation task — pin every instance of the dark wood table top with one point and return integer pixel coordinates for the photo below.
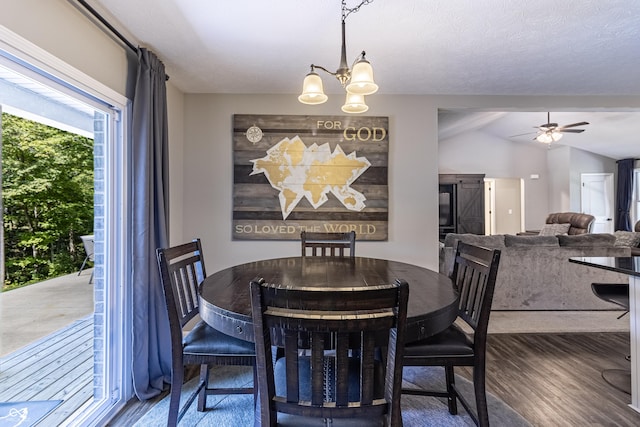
(225, 303)
(625, 265)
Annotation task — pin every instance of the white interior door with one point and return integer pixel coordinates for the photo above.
(597, 198)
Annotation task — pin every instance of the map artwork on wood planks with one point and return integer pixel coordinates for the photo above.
(309, 173)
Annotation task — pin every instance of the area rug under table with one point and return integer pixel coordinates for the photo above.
(25, 414)
(417, 411)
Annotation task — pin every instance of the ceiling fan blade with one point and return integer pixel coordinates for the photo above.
(522, 134)
(570, 130)
(574, 125)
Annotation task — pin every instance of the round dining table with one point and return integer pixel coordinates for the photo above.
(225, 302)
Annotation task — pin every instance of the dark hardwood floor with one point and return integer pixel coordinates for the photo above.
(555, 379)
(550, 379)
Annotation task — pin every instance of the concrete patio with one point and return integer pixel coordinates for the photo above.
(30, 313)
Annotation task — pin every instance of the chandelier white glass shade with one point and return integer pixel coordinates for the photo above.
(362, 78)
(312, 90)
(354, 104)
(357, 81)
(549, 137)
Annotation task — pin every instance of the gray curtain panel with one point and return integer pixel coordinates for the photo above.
(150, 201)
(624, 194)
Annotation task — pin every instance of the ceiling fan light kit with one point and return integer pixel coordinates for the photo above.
(548, 137)
(357, 81)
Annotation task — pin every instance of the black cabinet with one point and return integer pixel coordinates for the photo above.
(461, 204)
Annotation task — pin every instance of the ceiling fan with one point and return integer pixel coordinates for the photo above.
(551, 132)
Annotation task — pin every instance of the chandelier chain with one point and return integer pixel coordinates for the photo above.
(346, 11)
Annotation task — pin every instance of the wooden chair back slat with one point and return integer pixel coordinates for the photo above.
(342, 354)
(367, 363)
(328, 244)
(292, 372)
(317, 368)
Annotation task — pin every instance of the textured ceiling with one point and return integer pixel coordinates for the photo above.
(533, 47)
(416, 46)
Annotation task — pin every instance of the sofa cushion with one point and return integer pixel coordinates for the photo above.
(588, 240)
(517, 241)
(554, 229)
(495, 241)
(627, 239)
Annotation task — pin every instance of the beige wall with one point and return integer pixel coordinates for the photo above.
(413, 167)
(175, 114)
(209, 176)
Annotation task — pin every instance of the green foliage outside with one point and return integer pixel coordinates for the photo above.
(47, 194)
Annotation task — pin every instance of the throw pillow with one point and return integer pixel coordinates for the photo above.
(554, 229)
(519, 241)
(588, 240)
(628, 239)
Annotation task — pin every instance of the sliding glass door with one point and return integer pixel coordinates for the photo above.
(46, 95)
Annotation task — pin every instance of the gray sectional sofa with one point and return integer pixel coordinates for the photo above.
(535, 272)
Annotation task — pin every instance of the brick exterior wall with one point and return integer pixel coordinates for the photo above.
(99, 126)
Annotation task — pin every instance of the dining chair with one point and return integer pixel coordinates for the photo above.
(474, 277)
(181, 271)
(329, 387)
(88, 243)
(328, 244)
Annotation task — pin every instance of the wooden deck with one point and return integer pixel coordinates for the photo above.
(57, 367)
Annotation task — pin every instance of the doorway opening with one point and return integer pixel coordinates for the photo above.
(504, 205)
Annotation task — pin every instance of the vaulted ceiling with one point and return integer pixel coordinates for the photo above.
(497, 47)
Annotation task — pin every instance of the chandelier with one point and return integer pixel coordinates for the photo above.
(357, 81)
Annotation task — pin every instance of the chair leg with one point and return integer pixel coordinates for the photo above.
(481, 395)
(83, 264)
(451, 398)
(255, 385)
(177, 377)
(204, 379)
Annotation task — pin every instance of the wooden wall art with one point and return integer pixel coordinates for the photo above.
(313, 173)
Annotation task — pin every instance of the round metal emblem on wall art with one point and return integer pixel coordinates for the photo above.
(254, 134)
